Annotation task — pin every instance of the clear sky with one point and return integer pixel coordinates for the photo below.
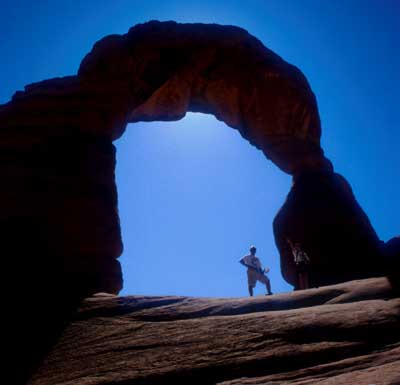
(193, 195)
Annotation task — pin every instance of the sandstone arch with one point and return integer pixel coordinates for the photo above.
(62, 131)
(58, 206)
(158, 71)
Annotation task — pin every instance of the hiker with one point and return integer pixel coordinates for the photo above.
(302, 263)
(255, 272)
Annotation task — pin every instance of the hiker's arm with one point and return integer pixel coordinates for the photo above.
(243, 262)
(246, 265)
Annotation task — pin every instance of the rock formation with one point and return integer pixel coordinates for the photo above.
(392, 248)
(59, 214)
(346, 334)
(56, 136)
(158, 71)
(391, 254)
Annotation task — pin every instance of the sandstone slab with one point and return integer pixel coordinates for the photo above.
(343, 334)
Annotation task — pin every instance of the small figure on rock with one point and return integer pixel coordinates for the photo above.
(302, 264)
(255, 272)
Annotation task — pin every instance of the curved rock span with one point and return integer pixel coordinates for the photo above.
(58, 212)
(344, 335)
(58, 161)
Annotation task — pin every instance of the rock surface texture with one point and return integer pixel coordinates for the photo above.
(343, 334)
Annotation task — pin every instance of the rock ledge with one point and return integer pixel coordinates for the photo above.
(341, 334)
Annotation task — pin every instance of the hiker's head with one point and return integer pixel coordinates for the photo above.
(253, 250)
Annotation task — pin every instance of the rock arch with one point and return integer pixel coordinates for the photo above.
(58, 206)
(61, 130)
(158, 71)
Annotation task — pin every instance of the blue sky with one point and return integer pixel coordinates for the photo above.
(193, 194)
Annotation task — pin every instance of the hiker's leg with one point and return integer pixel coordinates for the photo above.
(251, 290)
(306, 283)
(303, 280)
(297, 285)
(251, 280)
(268, 286)
(265, 280)
(300, 281)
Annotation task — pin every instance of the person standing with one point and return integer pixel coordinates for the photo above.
(302, 263)
(255, 272)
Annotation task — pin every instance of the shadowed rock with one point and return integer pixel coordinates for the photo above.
(158, 71)
(322, 214)
(391, 253)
